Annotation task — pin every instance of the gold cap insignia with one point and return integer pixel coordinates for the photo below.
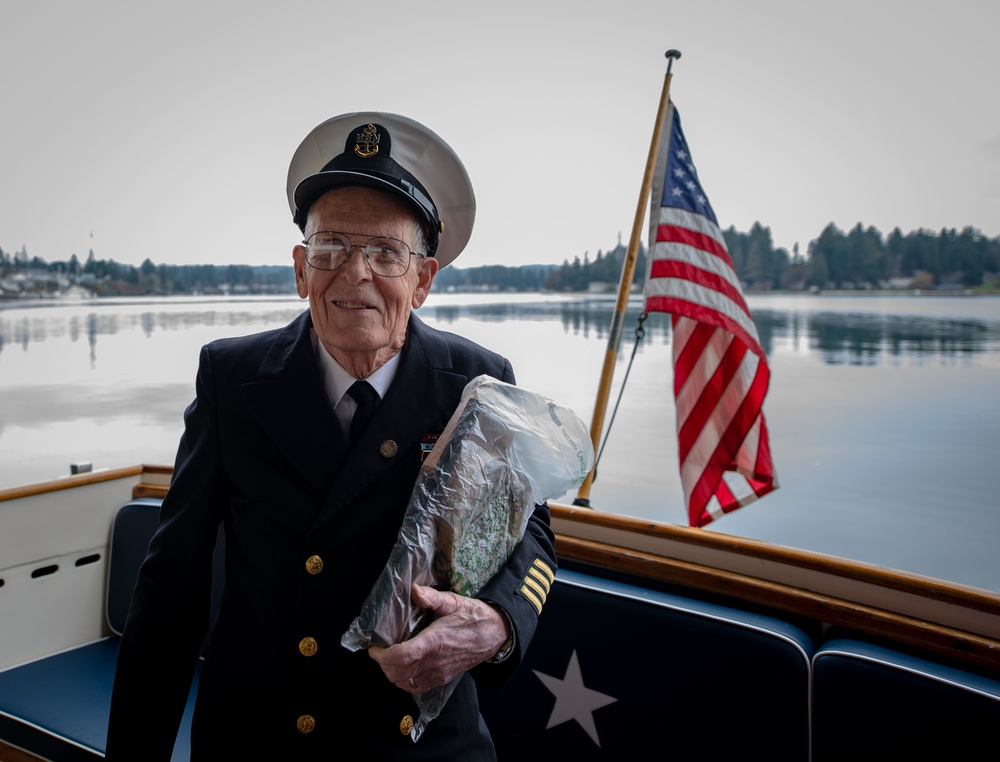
(366, 142)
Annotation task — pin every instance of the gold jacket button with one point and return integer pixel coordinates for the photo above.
(308, 646)
(406, 725)
(388, 448)
(306, 723)
(314, 564)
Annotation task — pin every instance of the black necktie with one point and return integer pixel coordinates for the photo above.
(367, 399)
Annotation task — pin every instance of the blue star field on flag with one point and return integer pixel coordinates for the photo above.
(681, 187)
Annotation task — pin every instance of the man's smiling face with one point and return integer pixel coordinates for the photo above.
(361, 318)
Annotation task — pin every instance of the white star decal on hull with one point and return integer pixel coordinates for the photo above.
(574, 701)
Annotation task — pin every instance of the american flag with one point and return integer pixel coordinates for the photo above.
(720, 370)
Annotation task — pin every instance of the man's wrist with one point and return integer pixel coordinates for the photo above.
(508, 645)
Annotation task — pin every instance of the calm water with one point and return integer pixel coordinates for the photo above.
(884, 411)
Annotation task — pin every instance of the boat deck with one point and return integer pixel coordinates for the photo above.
(655, 640)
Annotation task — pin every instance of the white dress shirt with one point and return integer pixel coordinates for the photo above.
(337, 381)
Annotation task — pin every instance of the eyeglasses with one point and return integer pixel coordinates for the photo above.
(385, 257)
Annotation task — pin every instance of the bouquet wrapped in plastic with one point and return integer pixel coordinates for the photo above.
(504, 451)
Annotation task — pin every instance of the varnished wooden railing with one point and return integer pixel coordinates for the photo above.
(934, 616)
(938, 617)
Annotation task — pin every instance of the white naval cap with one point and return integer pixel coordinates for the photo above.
(390, 152)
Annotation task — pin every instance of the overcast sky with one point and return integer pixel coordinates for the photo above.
(164, 130)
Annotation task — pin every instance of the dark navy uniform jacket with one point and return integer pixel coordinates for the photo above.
(309, 523)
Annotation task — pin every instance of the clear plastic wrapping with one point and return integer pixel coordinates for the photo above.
(504, 451)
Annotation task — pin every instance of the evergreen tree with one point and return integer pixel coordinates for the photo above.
(831, 249)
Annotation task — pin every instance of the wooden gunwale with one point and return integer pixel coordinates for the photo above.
(70, 482)
(939, 617)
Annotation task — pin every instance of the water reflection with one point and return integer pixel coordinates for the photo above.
(107, 382)
(26, 327)
(838, 338)
(861, 339)
(585, 317)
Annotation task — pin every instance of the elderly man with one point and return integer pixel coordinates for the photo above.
(304, 444)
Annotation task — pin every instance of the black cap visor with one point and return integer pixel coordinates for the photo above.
(382, 174)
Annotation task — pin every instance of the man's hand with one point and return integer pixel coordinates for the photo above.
(465, 632)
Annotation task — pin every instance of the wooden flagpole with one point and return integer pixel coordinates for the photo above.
(625, 284)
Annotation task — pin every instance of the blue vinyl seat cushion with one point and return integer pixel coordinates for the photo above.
(872, 702)
(617, 671)
(58, 707)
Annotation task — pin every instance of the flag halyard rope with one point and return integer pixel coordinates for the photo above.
(640, 333)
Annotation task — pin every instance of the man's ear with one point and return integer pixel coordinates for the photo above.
(299, 260)
(425, 277)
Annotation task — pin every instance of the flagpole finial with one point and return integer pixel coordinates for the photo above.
(671, 55)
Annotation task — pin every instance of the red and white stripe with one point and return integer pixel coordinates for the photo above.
(720, 370)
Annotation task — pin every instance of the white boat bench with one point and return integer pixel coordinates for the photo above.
(57, 707)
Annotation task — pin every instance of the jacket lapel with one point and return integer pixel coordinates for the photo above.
(289, 402)
(419, 402)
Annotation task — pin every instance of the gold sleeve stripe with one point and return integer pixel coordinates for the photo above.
(536, 577)
(537, 583)
(542, 591)
(532, 598)
(545, 569)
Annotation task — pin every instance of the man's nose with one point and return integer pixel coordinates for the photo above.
(355, 268)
